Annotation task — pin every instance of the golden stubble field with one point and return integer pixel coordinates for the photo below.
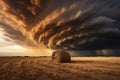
(81, 68)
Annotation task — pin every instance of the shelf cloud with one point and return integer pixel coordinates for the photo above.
(63, 24)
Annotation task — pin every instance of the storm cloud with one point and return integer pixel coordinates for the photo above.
(66, 24)
(15, 36)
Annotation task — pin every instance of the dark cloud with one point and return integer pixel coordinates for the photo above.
(69, 24)
(26, 10)
(95, 53)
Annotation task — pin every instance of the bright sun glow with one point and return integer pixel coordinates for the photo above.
(17, 47)
(14, 47)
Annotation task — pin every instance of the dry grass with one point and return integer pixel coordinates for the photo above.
(81, 68)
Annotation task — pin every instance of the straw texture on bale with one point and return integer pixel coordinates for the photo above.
(61, 57)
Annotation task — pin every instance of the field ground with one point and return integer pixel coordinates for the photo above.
(81, 68)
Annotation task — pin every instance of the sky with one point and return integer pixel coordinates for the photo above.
(38, 27)
(9, 48)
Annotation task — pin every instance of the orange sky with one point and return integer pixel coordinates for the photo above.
(12, 49)
(33, 27)
(16, 47)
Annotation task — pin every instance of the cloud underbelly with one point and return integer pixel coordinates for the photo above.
(69, 25)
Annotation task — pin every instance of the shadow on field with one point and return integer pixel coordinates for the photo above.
(82, 61)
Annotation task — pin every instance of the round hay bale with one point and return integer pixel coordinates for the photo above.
(61, 57)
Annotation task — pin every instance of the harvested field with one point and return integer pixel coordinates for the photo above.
(81, 68)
